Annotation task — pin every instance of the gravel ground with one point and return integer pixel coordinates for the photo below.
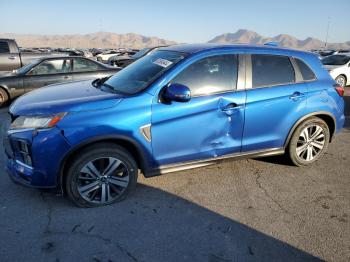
(247, 210)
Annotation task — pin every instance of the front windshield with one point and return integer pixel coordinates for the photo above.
(27, 67)
(336, 60)
(137, 76)
(140, 53)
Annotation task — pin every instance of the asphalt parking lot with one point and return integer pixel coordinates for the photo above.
(247, 210)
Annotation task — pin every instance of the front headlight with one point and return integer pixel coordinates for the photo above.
(37, 122)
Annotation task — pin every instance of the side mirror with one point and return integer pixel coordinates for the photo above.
(177, 92)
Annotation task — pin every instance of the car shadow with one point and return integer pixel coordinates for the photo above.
(151, 225)
(281, 160)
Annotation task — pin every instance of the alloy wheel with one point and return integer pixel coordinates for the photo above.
(310, 143)
(341, 81)
(102, 180)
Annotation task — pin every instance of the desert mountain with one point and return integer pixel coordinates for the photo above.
(113, 40)
(99, 39)
(249, 37)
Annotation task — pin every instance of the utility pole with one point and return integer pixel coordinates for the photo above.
(326, 40)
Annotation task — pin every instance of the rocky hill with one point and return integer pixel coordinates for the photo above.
(243, 36)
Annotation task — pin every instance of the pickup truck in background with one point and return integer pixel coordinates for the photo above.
(12, 58)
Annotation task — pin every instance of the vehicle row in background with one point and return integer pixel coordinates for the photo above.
(123, 61)
(12, 58)
(50, 70)
(338, 67)
(327, 52)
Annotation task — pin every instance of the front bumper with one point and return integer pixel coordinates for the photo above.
(47, 149)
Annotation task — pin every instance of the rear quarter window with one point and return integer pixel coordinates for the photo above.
(271, 70)
(305, 70)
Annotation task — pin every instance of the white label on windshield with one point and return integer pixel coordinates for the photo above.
(162, 62)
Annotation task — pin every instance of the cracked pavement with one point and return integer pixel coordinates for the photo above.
(247, 210)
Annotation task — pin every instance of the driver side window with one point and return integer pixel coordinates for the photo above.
(210, 75)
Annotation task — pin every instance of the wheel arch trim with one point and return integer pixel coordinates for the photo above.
(302, 119)
(105, 138)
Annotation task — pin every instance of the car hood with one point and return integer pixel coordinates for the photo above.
(332, 67)
(7, 74)
(68, 97)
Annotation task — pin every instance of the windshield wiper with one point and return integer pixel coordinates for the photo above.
(99, 81)
(109, 87)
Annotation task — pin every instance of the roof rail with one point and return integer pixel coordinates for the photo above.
(271, 44)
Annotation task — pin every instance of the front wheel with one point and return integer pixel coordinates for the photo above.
(309, 142)
(102, 174)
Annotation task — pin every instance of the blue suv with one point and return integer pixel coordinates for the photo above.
(179, 107)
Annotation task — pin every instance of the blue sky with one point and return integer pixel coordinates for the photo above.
(180, 20)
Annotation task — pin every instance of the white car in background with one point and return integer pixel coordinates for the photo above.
(106, 55)
(338, 67)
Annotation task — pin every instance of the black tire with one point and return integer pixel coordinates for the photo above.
(100, 152)
(296, 155)
(3, 97)
(341, 80)
(296, 151)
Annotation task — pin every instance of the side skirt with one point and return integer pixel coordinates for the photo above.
(206, 162)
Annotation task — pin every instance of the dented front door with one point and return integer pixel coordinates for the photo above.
(205, 127)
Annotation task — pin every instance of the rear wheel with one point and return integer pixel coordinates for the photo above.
(341, 80)
(102, 174)
(309, 142)
(3, 97)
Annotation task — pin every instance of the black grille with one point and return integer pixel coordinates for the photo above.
(25, 153)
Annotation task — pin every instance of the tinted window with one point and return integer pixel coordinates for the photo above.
(306, 72)
(137, 76)
(4, 47)
(52, 67)
(336, 60)
(210, 75)
(83, 65)
(271, 70)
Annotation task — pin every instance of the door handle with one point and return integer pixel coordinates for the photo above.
(12, 57)
(67, 77)
(296, 96)
(230, 108)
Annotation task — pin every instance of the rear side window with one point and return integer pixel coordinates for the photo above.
(305, 71)
(270, 70)
(210, 75)
(84, 65)
(4, 47)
